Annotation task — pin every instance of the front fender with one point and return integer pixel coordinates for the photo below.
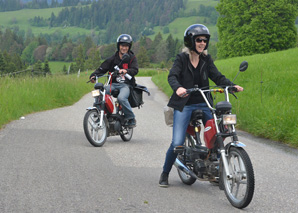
(234, 144)
(98, 111)
(91, 108)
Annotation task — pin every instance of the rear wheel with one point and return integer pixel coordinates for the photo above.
(96, 134)
(185, 178)
(240, 188)
(126, 133)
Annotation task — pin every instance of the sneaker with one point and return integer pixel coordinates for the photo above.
(132, 123)
(163, 181)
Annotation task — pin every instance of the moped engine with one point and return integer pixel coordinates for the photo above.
(115, 126)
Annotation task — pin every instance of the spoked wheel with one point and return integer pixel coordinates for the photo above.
(126, 133)
(240, 188)
(96, 134)
(185, 178)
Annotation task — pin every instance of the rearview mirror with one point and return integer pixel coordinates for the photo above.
(125, 58)
(243, 66)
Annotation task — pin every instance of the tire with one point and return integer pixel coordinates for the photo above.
(96, 135)
(240, 189)
(185, 178)
(126, 134)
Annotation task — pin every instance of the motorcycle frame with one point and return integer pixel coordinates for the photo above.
(103, 101)
(219, 135)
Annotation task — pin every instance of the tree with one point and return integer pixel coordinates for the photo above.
(143, 59)
(2, 65)
(37, 67)
(80, 59)
(46, 67)
(27, 54)
(249, 27)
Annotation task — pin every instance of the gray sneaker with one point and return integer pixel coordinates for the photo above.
(163, 181)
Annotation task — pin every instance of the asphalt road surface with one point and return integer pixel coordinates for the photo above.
(47, 165)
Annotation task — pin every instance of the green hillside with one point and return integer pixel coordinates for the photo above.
(21, 18)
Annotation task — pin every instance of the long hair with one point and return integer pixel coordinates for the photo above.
(188, 51)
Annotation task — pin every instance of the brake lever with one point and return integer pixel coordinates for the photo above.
(234, 95)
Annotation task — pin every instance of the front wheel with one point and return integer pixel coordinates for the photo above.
(240, 188)
(96, 134)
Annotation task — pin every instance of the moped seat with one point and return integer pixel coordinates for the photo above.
(197, 114)
(115, 93)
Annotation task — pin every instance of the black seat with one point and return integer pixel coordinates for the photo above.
(197, 114)
(115, 93)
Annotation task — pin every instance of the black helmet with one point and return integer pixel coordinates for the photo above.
(124, 38)
(194, 31)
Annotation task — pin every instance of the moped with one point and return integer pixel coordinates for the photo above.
(106, 118)
(217, 160)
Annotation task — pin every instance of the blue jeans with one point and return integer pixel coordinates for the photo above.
(180, 123)
(124, 92)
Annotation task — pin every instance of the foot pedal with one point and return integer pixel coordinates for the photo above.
(179, 149)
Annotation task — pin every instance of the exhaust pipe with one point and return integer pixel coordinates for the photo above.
(179, 165)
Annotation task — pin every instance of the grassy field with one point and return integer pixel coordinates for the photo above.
(267, 109)
(179, 25)
(22, 96)
(21, 18)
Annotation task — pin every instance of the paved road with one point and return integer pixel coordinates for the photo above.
(47, 165)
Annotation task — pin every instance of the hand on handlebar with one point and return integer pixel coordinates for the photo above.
(122, 71)
(181, 92)
(92, 79)
(239, 88)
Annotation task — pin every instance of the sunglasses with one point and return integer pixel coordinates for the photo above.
(199, 40)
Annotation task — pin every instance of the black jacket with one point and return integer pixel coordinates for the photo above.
(111, 62)
(181, 75)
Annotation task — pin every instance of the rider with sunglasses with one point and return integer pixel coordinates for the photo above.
(192, 68)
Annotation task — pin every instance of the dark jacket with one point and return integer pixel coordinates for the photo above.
(181, 75)
(111, 62)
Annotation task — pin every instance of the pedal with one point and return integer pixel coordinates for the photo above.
(179, 149)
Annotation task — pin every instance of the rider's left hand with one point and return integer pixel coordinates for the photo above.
(239, 88)
(122, 71)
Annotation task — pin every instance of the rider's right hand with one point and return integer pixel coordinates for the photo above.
(181, 92)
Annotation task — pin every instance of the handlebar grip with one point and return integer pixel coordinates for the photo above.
(128, 76)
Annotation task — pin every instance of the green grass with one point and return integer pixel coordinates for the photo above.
(179, 25)
(22, 96)
(21, 18)
(57, 66)
(269, 109)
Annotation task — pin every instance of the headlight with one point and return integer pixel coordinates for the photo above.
(95, 93)
(229, 119)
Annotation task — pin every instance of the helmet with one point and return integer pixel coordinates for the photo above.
(124, 38)
(194, 31)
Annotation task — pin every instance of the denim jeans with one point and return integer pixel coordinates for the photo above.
(180, 123)
(124, 92)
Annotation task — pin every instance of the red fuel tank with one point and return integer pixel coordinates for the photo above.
(109, 103)
(210, 134)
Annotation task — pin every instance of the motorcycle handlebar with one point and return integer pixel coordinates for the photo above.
(126, 75)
